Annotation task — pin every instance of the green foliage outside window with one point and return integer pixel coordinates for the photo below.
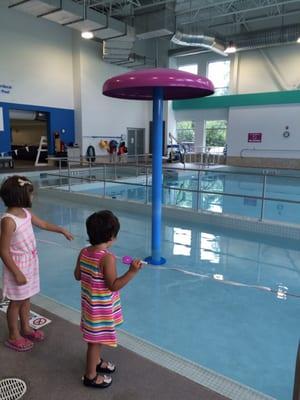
(215, 133)
(185, 131)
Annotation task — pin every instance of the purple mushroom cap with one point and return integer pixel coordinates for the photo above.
(139, 85)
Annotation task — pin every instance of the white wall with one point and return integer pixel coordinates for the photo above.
(271, 121)
(253, 71)
(104, 116)
(50, 65)
(36, 60)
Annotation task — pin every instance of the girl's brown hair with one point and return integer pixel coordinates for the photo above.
(101, 227)
(16, 191)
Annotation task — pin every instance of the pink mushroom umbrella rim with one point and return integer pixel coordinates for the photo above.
(176, 84)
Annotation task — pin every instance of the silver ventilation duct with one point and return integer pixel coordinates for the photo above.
(207, 42)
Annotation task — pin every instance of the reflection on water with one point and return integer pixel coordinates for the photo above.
(215, 192)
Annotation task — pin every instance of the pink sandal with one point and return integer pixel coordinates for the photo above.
(21, 344)
(35, 336)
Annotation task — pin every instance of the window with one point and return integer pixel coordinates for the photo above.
(215, 134)
(219, 72)
(192, 68)
(185, 134)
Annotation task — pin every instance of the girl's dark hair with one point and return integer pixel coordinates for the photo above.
(102, 227)
(16, 191)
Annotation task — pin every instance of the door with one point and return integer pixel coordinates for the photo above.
(136, 141)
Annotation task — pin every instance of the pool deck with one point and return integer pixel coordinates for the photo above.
(53, 369)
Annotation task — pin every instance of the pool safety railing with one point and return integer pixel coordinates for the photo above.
(122, 174)
(206, 155)
(252, 152)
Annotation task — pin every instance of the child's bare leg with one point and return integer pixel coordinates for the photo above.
(24, 317)
(12, 315)
(92, 359)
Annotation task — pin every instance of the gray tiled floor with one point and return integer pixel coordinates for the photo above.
(53, 369)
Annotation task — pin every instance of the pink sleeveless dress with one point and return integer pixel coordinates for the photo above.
(24, 253)
(101, 308)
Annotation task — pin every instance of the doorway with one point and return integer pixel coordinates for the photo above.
(26, 130)
(136, 141)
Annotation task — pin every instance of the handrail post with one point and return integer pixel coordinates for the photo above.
(69, 176)
(263, 198)
(146, 200)
(198, 190)
(104, 181)
(90, 169)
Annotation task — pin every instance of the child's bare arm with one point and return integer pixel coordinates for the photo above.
(113, 282)
(50, 227)
(8, 227)
(77, 274)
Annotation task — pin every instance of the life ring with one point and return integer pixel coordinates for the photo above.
(286, 134)
(91, 153)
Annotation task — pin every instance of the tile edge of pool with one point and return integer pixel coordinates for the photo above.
(245, 224)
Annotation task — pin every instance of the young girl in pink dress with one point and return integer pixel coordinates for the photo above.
(19, 255)
(100, 301)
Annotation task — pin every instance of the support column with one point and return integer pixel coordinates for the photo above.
(157, 180)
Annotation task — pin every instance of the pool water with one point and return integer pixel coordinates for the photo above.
(232, 193)
(247, 334)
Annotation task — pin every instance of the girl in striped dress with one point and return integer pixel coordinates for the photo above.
(100, 301)
(19, 255)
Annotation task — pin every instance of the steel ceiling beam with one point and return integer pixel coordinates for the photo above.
(257, 5)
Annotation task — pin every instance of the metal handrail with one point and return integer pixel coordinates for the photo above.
(268, 150)
(173, 168)
(198, 191)
(204, 191)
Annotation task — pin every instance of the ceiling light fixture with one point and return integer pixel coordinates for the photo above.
(87, 35)
(230, 49)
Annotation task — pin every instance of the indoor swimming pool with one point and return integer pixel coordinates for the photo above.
(244, 327)
(232, 191)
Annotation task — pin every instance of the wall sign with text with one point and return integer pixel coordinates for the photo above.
(254, 137)
(5, 89)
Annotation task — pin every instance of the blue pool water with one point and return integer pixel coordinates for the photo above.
(244, 333)
(232, 193)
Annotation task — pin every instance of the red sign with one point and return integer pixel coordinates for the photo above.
(254, 137)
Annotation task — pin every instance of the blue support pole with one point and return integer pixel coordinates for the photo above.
(157, 142)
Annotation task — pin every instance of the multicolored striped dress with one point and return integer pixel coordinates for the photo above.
(24, 253)
(101, 308)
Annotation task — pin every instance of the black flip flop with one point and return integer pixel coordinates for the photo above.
(105, 370)
(92, 382)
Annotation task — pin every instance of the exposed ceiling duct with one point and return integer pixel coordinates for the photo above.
(120, 48)
(155, 24)
(207, 42)
(117, 37)
(200, 25)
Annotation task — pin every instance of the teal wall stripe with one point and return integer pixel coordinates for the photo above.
(238, 100)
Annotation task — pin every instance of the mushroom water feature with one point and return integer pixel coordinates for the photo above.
(157, 84)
